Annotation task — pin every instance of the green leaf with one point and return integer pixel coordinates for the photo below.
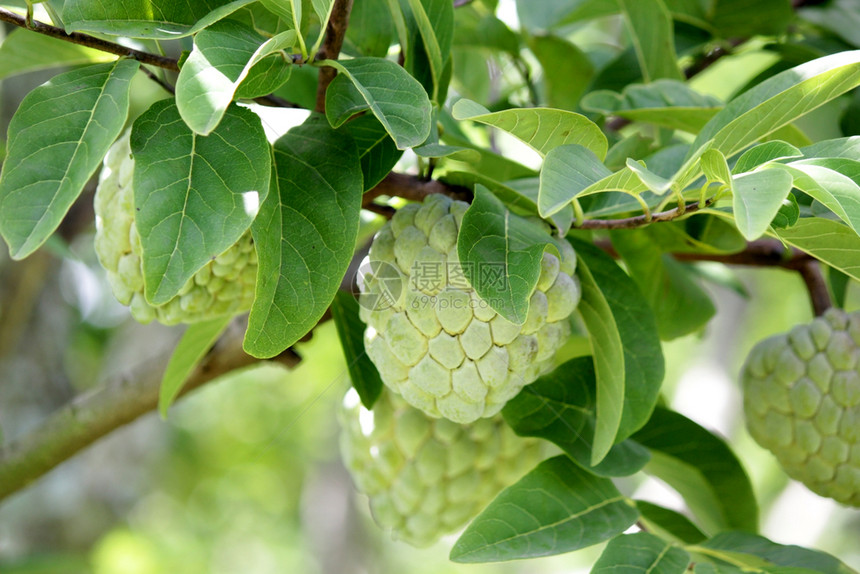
(547, 14)
(487, 32)
(435, 22)
(667, 523)
(653, 182)
(848, 148)
(305, 235)
(265, 77)
(643, 354)
(396, 99)
(680, 305)
(567, 171)
(764, 153)
(716, 168)
(350, 329)
(56, 141)
(703, 469)
(650, 25)
(837, 190)
(788, 214)
(828, 241)
(541, 128)
(223, 55)
(665, 103)
(561, 407)
(23, 51)
(757, 198)
(376, 149)
(741, 19)
(775, 103)
(195, 195)
(567, 70)
(606, 347)
(490, 235)
(641, 553)
(777, 554)
(193, 346)
(558, 507)
(371, 29)
(158, 19)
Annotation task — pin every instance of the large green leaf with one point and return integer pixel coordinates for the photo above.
(759, 547)
(541, 128)
(23, 51)
(740, 18)
(650, 25)
(828, 241)
(435, 22)
(567, 171)
(608, 352)
(305, 235)
(680, 305)
(666, 103)
(396, 99)
(350, 329)
(376, 149)
(371, 29)
(832, 181)
(703, 469)
(641, 553)
(492, 236)
(757, 197)
(160, 19)
(192, 347)
(561, 407)
(558, 507)
(57, 139)
(223, 55)
(643, 355)
(775, 103)
(567, 70)
(195, 195)
(668, 524)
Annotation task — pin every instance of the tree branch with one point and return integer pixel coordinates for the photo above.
(413, 188)
(90, 41)
(97, 413)
(335, 32)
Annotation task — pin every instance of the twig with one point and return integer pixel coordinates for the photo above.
(335, 32)
(641, 220)
(101, 411)
(154, 77)
(819, 296)
(90, 41)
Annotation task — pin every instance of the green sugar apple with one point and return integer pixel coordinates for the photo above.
(427, 477)
(434, 340)
(802, 402)
(224, 286)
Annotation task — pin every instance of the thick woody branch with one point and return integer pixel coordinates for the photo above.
(99, 412)
(413, 188)
(90, 41)
(335, 32)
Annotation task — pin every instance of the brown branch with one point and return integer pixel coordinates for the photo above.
(97, 413)
(334, 34)
(413, 188)
(90, 41)
(640, 220)
(819, 296)
(169, 88)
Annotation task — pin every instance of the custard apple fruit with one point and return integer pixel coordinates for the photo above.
(224, 286)
(802, 402)
(434, 340)
(427, 477)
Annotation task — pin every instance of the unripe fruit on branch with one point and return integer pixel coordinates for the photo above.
(428, 477)
(224, 286)
(802, 402)
(434, 340)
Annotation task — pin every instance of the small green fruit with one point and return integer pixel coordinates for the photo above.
(802, 402)
(434, 340)
(224, 286)
(428, 477)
